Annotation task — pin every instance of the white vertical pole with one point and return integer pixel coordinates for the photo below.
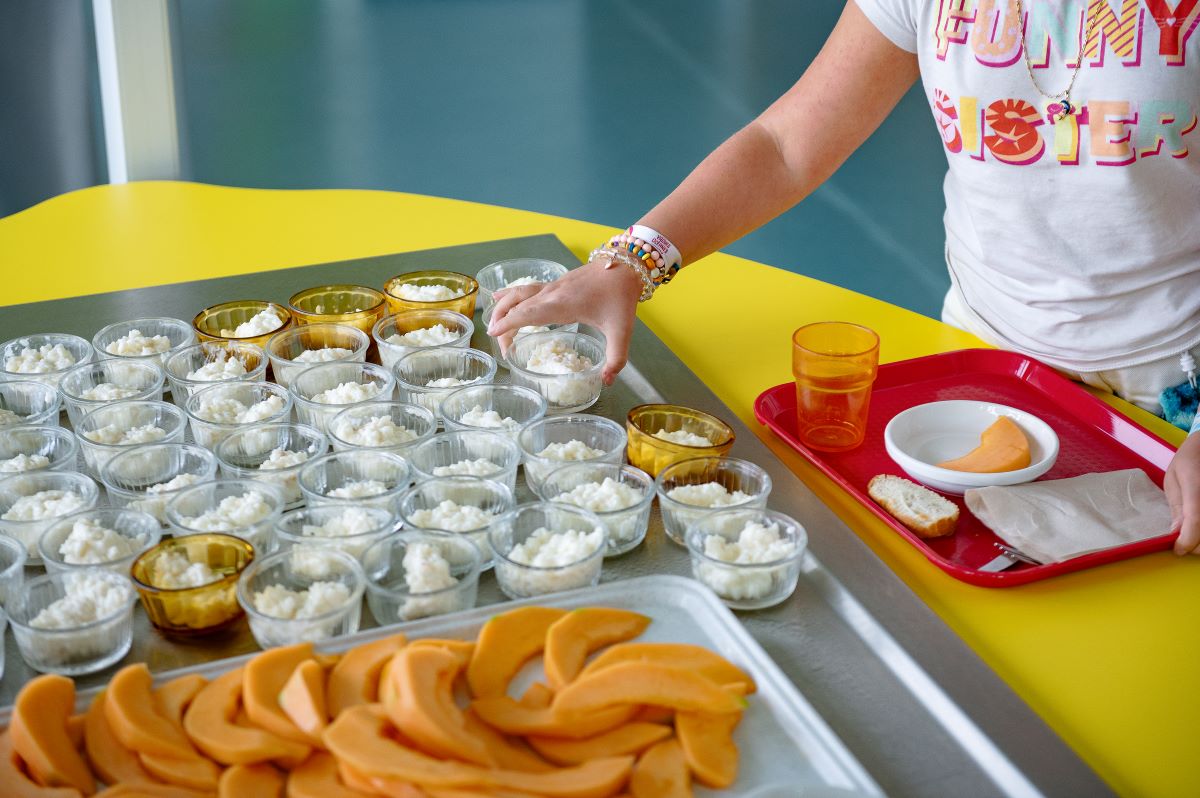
(137, 89)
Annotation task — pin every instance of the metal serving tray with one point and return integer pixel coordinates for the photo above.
(783, 743)
(915, 706)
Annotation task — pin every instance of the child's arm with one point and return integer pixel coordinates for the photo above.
(761, 171)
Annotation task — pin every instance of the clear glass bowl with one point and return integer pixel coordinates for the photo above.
(186, 612)
(33, 403)
(189, 505)
(409, 321)
(352, 305)
(12, 570)
(494, 343)
(124, 378)
(565, 392)
(747, 585)
(13, 488)
(190, 359)
(138, 530)
(80, 351)
(653, 454)
(390, 581)
(522, 405)
(177, 331)
(77, 649)
(56, 444)
(314, 381)
(494, 498)
(454, 454)
(209, 433)
(466, 286)
(298, 570)
(132, 478)
(219, 322)
(341, 471)
(626, 526)
(284, 347)
(356, 428)
(243, 454)
(127, 415)
(729, 472)
(595, 432)
(517, 580)
(350, 529)
(416, 370)
(503, 273)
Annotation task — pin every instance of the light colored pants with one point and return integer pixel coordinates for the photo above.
(1139, 385)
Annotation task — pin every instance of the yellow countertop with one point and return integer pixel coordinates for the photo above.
(1108, 657)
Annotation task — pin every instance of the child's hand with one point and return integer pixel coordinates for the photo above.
(604, 298)
(1182, 485)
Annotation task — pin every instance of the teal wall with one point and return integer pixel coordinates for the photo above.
(592, 109)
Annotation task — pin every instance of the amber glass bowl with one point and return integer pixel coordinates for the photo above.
(653, 454)
(228, 315)
(194, 611)
(465, 304)
(354, 305)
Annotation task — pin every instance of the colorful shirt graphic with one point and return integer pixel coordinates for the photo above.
(1076, 237)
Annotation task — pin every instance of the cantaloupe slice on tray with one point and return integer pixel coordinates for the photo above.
(1002, 447)
(361, 740)
(38, 734)
(505, 643)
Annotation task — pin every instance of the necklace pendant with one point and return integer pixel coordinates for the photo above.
(1060, 110)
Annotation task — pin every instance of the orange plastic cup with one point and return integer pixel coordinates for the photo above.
(834, 364)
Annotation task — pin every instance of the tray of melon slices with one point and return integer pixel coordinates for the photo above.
(646, 687)
(1068, 432)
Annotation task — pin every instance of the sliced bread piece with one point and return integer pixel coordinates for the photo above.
(915, 506)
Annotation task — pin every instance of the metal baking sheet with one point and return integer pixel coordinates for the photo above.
(921, 712)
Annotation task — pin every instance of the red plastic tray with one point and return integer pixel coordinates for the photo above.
(1092, 436)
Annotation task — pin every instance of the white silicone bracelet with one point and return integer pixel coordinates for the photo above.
(660, 242)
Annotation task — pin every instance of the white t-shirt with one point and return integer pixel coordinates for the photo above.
(1076, 242)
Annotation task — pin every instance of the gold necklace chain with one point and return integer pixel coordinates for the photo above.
(1064, 96)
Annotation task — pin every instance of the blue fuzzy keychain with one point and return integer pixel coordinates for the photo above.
(1179, 402)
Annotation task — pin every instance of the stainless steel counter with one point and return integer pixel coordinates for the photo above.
(918, 708)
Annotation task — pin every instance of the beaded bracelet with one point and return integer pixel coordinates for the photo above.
(615, 256)
(660, 257)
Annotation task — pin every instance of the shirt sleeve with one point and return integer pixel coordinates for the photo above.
(895, 19)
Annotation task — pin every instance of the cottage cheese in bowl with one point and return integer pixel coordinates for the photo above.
(413, 292)
(174, 571)
(74, 622)
(479, 467)
(157, 506)
(453, 517)
(750, 558)
(545, 548)
(221, 368)
(42, 359)
(437, 335)
(302, 594)
(135, 344)
(684, 437)
(24, 462)
(564, 367)
(92, 543)
(376, 431)
(358, 489)
(261, 323)
(323, 355)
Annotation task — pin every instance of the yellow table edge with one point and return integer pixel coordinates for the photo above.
(1107, 657)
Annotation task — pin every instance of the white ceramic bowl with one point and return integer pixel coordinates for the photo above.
(939, 431)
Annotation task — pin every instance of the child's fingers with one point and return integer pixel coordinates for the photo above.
(1182, 487)
(506, 300)
(617, 349)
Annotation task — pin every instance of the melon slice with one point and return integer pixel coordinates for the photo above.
(1002, 447)
(40, 738)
